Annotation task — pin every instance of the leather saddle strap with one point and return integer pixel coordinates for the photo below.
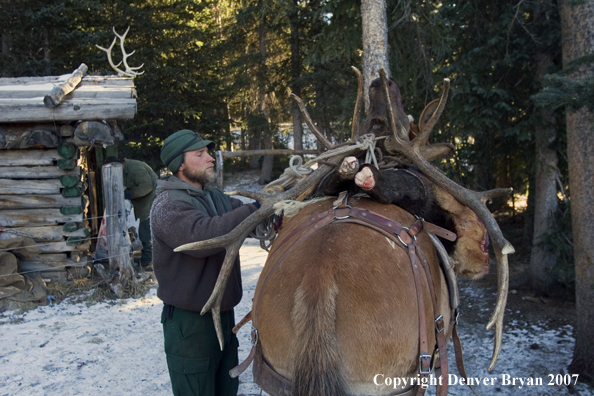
(303, 226)
(410, 241)
(393, 225)
(442, 387)
(237, 370)
(439, 231)
(460, 356)
(424, 357)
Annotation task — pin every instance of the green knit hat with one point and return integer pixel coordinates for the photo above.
(180, 142)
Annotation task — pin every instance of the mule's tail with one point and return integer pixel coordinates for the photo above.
(317, 361)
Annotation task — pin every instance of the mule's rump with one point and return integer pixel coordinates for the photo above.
(341, 306)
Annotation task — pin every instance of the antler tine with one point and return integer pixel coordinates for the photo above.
(233, 240)
(425, 129)
(129, 70)
(499, 311)
(358, 105)
(325, 142)
(109, 59)
(498, 192)
(248, 194)
(398, 132)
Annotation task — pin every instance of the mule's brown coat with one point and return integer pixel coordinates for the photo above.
(342, 306)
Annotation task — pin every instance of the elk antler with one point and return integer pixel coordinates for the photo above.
(325, 142)
(473, 199)
(358, 105)
(233, 240)
(130, 71)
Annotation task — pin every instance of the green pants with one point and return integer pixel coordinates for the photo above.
(197, 366)
(144, 234)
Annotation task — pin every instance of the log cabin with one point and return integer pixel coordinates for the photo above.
(55, 133)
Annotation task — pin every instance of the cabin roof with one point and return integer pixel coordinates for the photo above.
(94, 98)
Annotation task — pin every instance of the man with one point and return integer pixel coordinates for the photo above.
(187, 210)
(141, 183)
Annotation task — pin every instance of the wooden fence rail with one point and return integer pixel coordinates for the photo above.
(220, 154)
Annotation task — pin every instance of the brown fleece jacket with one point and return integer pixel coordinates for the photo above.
(182, 214)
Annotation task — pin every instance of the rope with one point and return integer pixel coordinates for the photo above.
(297, 171)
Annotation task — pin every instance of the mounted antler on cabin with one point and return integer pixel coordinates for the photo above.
(130, 71)
(474, 200)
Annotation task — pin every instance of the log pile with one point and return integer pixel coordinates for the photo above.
(42, 199)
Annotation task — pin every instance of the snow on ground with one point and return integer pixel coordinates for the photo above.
(116, 348)
(111, 348)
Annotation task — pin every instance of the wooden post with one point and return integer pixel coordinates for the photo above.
(94, 209)
(118, 244)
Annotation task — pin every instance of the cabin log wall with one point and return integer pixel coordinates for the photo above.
(48, 186)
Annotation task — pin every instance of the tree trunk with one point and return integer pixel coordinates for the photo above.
(254, 143)
(528, 231)
(375, 43)
(541, 259)
(267, 162)
(483, 164)
(295, 74)
(577, 25)
(228, 134)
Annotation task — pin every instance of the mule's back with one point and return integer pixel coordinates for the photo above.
(341, 306)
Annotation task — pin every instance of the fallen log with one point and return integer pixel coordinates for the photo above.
(249, 153)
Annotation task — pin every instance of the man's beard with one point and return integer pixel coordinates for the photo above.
(203, 177)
